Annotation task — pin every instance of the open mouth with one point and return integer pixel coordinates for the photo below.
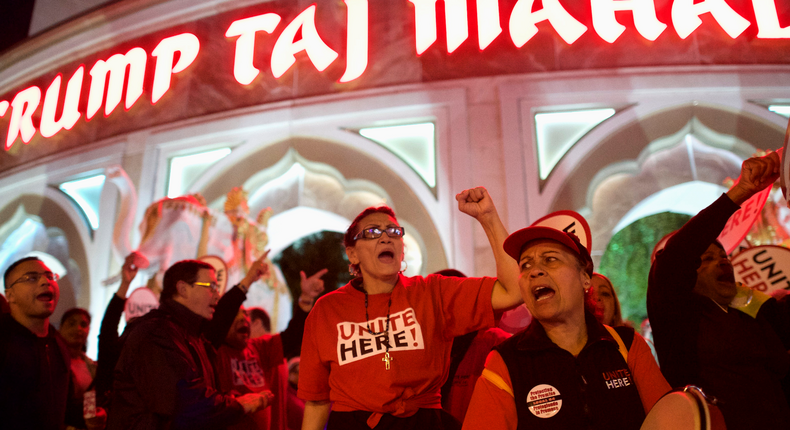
(543, 293)
(727, 277)
(387, 257)
(46, 297)
(243, 330)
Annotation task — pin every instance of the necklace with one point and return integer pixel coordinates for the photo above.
(720, 306)
(387, 358)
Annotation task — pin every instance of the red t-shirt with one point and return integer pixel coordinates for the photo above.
(253, 369)
(343, 363)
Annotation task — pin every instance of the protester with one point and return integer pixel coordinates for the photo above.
(4, 309)
(565, 370)
(467, 360)
(246, 365)
(294, 405)
(735, 357)
(34, 360)
(378, 347)
(260, 323)
(74, 327)
(109, 345)
(604, 297)
(164, 378)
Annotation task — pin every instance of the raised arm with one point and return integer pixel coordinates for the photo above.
(109, 350)
(108, 333)
(217, 328)
(674, 270)
(756, 174)
(311, 287)
(477, 203)
(671, 300)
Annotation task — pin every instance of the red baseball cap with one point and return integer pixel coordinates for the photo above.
(515, 243)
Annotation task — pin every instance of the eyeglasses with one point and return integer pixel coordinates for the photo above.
(33, 277)
(210, 285)
(375, 233)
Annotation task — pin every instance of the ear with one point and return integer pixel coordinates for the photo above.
(181, 288)
(351, 253)
(586, 282)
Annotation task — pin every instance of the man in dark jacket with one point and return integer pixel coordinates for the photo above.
(109, 345)
(735, 357)
(164, 378)
(34, 361)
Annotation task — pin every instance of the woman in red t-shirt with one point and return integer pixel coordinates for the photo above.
(378, 348)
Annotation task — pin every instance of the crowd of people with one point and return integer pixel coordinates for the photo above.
(388, 351)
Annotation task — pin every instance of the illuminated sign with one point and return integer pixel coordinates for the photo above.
(123, 76)
(116, 67)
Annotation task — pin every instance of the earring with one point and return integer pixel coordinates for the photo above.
(403, 266)
(353, 269)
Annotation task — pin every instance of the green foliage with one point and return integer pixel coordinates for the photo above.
(626, 260)
(312, 253)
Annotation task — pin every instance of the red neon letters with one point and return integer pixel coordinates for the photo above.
(134, 61)
(130, 67)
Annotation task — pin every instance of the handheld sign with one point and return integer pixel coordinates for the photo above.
(220, 269)
(569, 222)
(741, 221)
(139, 303)
(139, 260)
(764, 268)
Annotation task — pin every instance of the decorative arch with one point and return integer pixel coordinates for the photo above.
(334, 178)
(49, 228)
(669, 147)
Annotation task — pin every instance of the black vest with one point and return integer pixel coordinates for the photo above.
(555, 390)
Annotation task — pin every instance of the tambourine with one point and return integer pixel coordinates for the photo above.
(684, 409)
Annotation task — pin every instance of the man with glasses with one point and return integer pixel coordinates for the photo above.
(34, 361)
(164, 377)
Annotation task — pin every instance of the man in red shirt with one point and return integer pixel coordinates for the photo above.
(246, 365)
